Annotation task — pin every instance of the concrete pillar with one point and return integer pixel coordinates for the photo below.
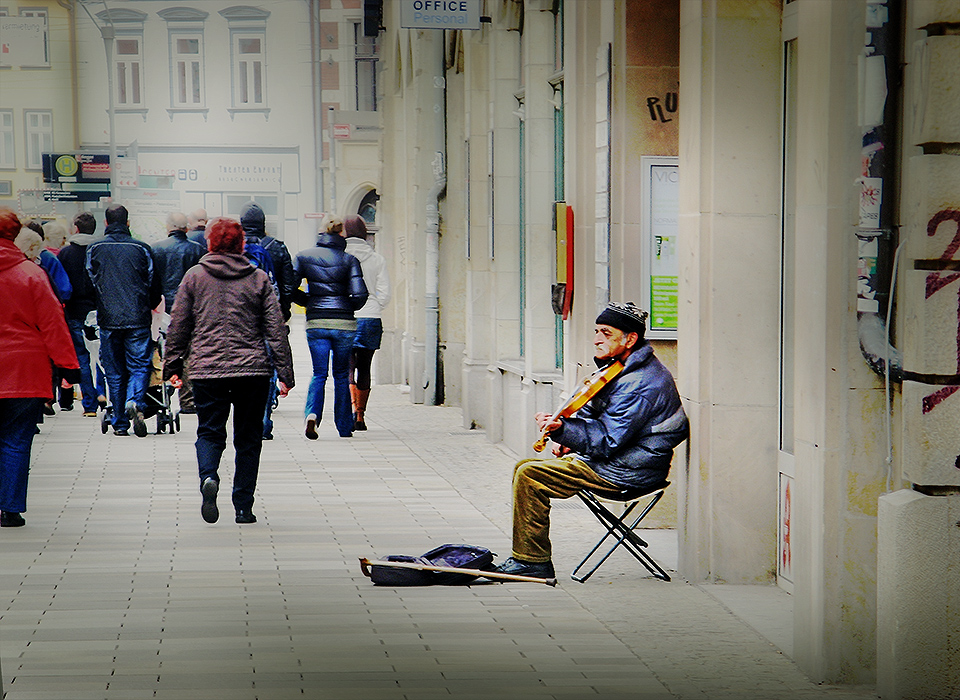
(918, 615)
(730, 57)
(918, 547)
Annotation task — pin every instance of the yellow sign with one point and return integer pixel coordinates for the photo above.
(67, 166)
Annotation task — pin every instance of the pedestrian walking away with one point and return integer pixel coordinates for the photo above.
(369, 324)
(623, 437)
(122, 270)
(335, 289)
(270, 254)
(173, 257)
(82, 301)
(227, 317)
(33, 340)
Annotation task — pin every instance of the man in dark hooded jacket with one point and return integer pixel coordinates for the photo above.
(128, 289)
(623, 438)
(253, 220)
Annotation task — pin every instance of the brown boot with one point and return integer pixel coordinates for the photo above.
(362, 396)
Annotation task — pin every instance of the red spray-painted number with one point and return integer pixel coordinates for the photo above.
(937, 281)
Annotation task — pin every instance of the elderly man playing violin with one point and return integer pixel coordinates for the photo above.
(622, 437)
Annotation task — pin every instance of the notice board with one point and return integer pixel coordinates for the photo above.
(660, 184)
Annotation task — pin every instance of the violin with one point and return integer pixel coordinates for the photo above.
(591, 387)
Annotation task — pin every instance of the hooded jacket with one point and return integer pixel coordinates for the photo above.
(375, 277)
(253, 222)
(73, 257)
(33, 333)
(335, 287)
(225, 316)
(128, 288)
(628, 431)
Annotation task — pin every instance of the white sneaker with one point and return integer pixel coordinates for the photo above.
(311, 427)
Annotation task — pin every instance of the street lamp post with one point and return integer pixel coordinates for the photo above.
(108, 35)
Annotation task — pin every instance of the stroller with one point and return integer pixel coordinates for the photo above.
(161, 399)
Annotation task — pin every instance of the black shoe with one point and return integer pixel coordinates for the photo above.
(246, 516)
(102, 402)
(122, 433)
(188, 410)
(268, 436)
(11, 520)
(136, 418)
(67, 407)
(359, 425)
(209, 510)
(49, 410)
(518, 567)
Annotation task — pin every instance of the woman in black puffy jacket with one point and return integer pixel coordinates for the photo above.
(335, 289)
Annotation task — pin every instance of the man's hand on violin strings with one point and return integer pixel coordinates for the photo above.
(546, 422)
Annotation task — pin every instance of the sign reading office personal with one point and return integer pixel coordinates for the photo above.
(440, 14)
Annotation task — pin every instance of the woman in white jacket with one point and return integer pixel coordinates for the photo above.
(369, 325)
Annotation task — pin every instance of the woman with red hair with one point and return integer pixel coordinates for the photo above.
(228, 317)
(33, 338)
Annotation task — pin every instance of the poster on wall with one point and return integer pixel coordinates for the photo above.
(660, 183)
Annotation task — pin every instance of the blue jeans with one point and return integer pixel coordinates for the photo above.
(272, 393)
(323, 342)
(213, 399)
(18, 425)
(87, 388)
(125, 356)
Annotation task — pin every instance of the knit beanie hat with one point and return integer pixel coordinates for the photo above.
(626, 317)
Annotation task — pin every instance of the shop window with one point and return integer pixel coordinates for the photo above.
(367, 55)
(39, 136)
(40, 12)
(7, 158)
(128, 71)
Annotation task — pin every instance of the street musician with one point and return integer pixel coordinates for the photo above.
(623, 437)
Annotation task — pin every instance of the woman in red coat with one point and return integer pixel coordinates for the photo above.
(33, 338)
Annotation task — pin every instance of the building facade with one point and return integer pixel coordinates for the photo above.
(38, 108)
(204, 105)
(768, 181)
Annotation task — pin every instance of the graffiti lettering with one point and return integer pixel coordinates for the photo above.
(670, 103)
(937, 281)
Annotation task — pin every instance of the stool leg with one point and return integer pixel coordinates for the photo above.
(624, 535)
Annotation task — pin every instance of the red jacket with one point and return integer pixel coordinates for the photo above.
(33, 331)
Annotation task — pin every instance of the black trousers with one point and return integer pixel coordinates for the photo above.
(213, 399)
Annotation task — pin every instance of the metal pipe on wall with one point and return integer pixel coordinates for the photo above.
(431, 377)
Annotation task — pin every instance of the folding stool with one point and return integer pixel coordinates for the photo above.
(621, 528)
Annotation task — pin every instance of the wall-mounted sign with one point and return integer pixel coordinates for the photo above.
(341, 131)
(660, 184)
(22, 41)
(440, 14)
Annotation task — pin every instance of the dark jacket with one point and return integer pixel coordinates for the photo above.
(121, 268)
(198, 235)
(173, 257)
(226, 316)
(335, 287)
(253, 221)
(73, 257)
(282, 270)
(627, 432)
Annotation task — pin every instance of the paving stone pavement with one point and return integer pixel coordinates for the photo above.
(116, 589)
